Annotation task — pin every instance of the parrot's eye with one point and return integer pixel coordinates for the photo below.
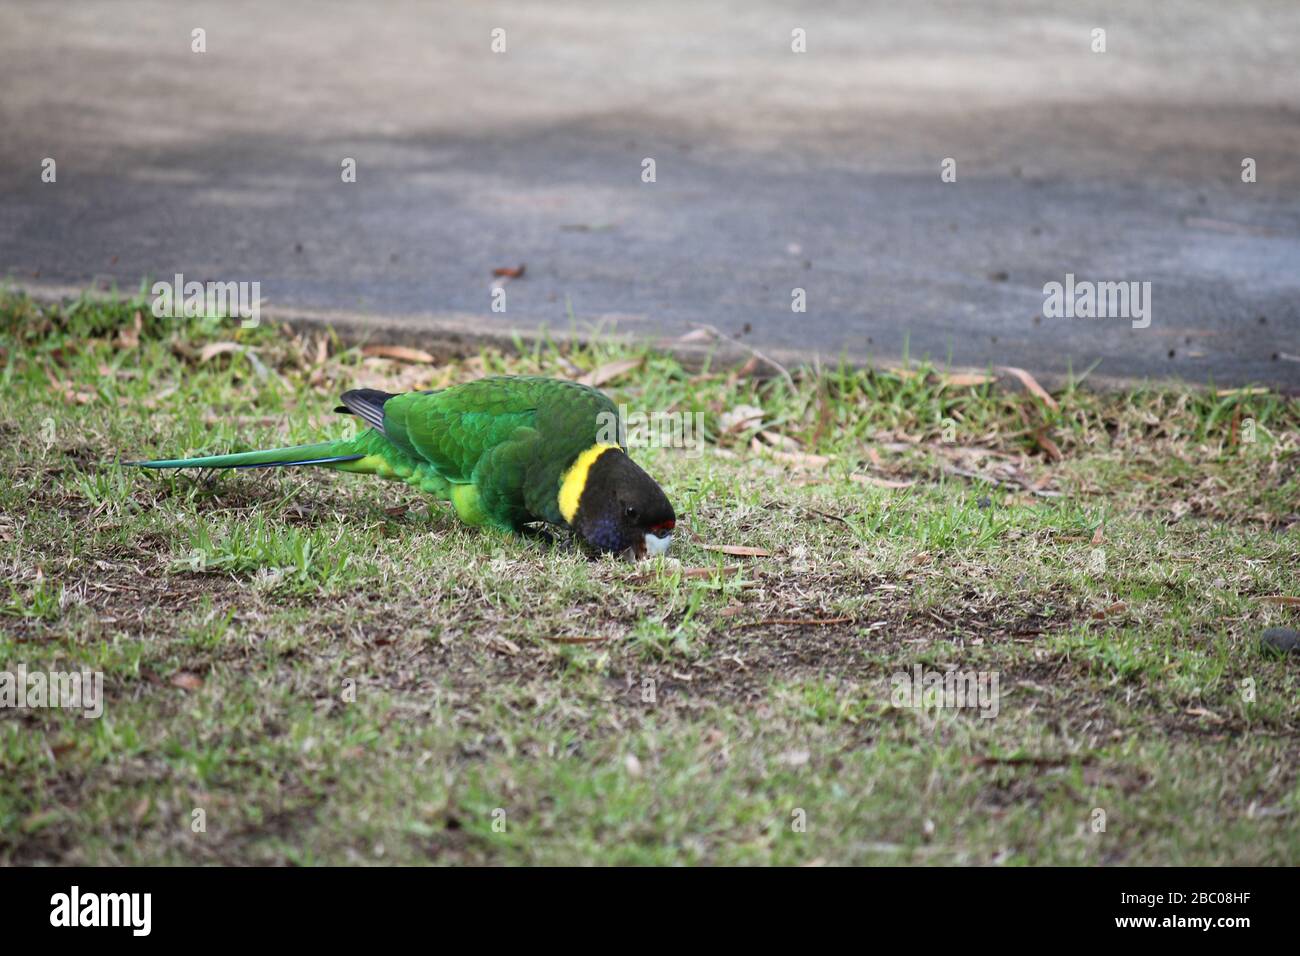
(631, 513)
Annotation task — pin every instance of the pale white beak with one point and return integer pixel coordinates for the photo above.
(655, 545)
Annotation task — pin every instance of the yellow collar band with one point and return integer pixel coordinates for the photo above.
(575, 479)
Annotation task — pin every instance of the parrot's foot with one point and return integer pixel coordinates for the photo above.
(548, 538)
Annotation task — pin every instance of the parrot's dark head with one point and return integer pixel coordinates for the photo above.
(615, 506)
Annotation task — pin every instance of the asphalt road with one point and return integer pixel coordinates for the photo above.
(775, 170)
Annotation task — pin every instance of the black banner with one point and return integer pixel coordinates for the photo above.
(230, 906)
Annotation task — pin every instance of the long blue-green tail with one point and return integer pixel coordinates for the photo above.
(322, 453)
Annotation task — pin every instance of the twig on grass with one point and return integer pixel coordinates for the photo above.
(785, 374)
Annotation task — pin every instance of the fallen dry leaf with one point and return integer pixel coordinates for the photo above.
(880, 482)
(738, 550)
(498, 643)
(213, 349)
(1110, 611)
(965, 379)
(1282, 599)
(1045, 442)
(798, 459)
(1032, 385)
(726, 571)
(738, 418)
(186, 681)
(777, 440)
(399, 353)
(608, 372)
(129, 337)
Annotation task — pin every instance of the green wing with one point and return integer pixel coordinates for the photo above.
(452, 429)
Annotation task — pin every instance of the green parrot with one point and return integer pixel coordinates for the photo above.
(506, 451)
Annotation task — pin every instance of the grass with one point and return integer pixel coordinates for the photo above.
(302, 667)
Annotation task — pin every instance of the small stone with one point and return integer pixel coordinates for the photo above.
(1281, 640)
